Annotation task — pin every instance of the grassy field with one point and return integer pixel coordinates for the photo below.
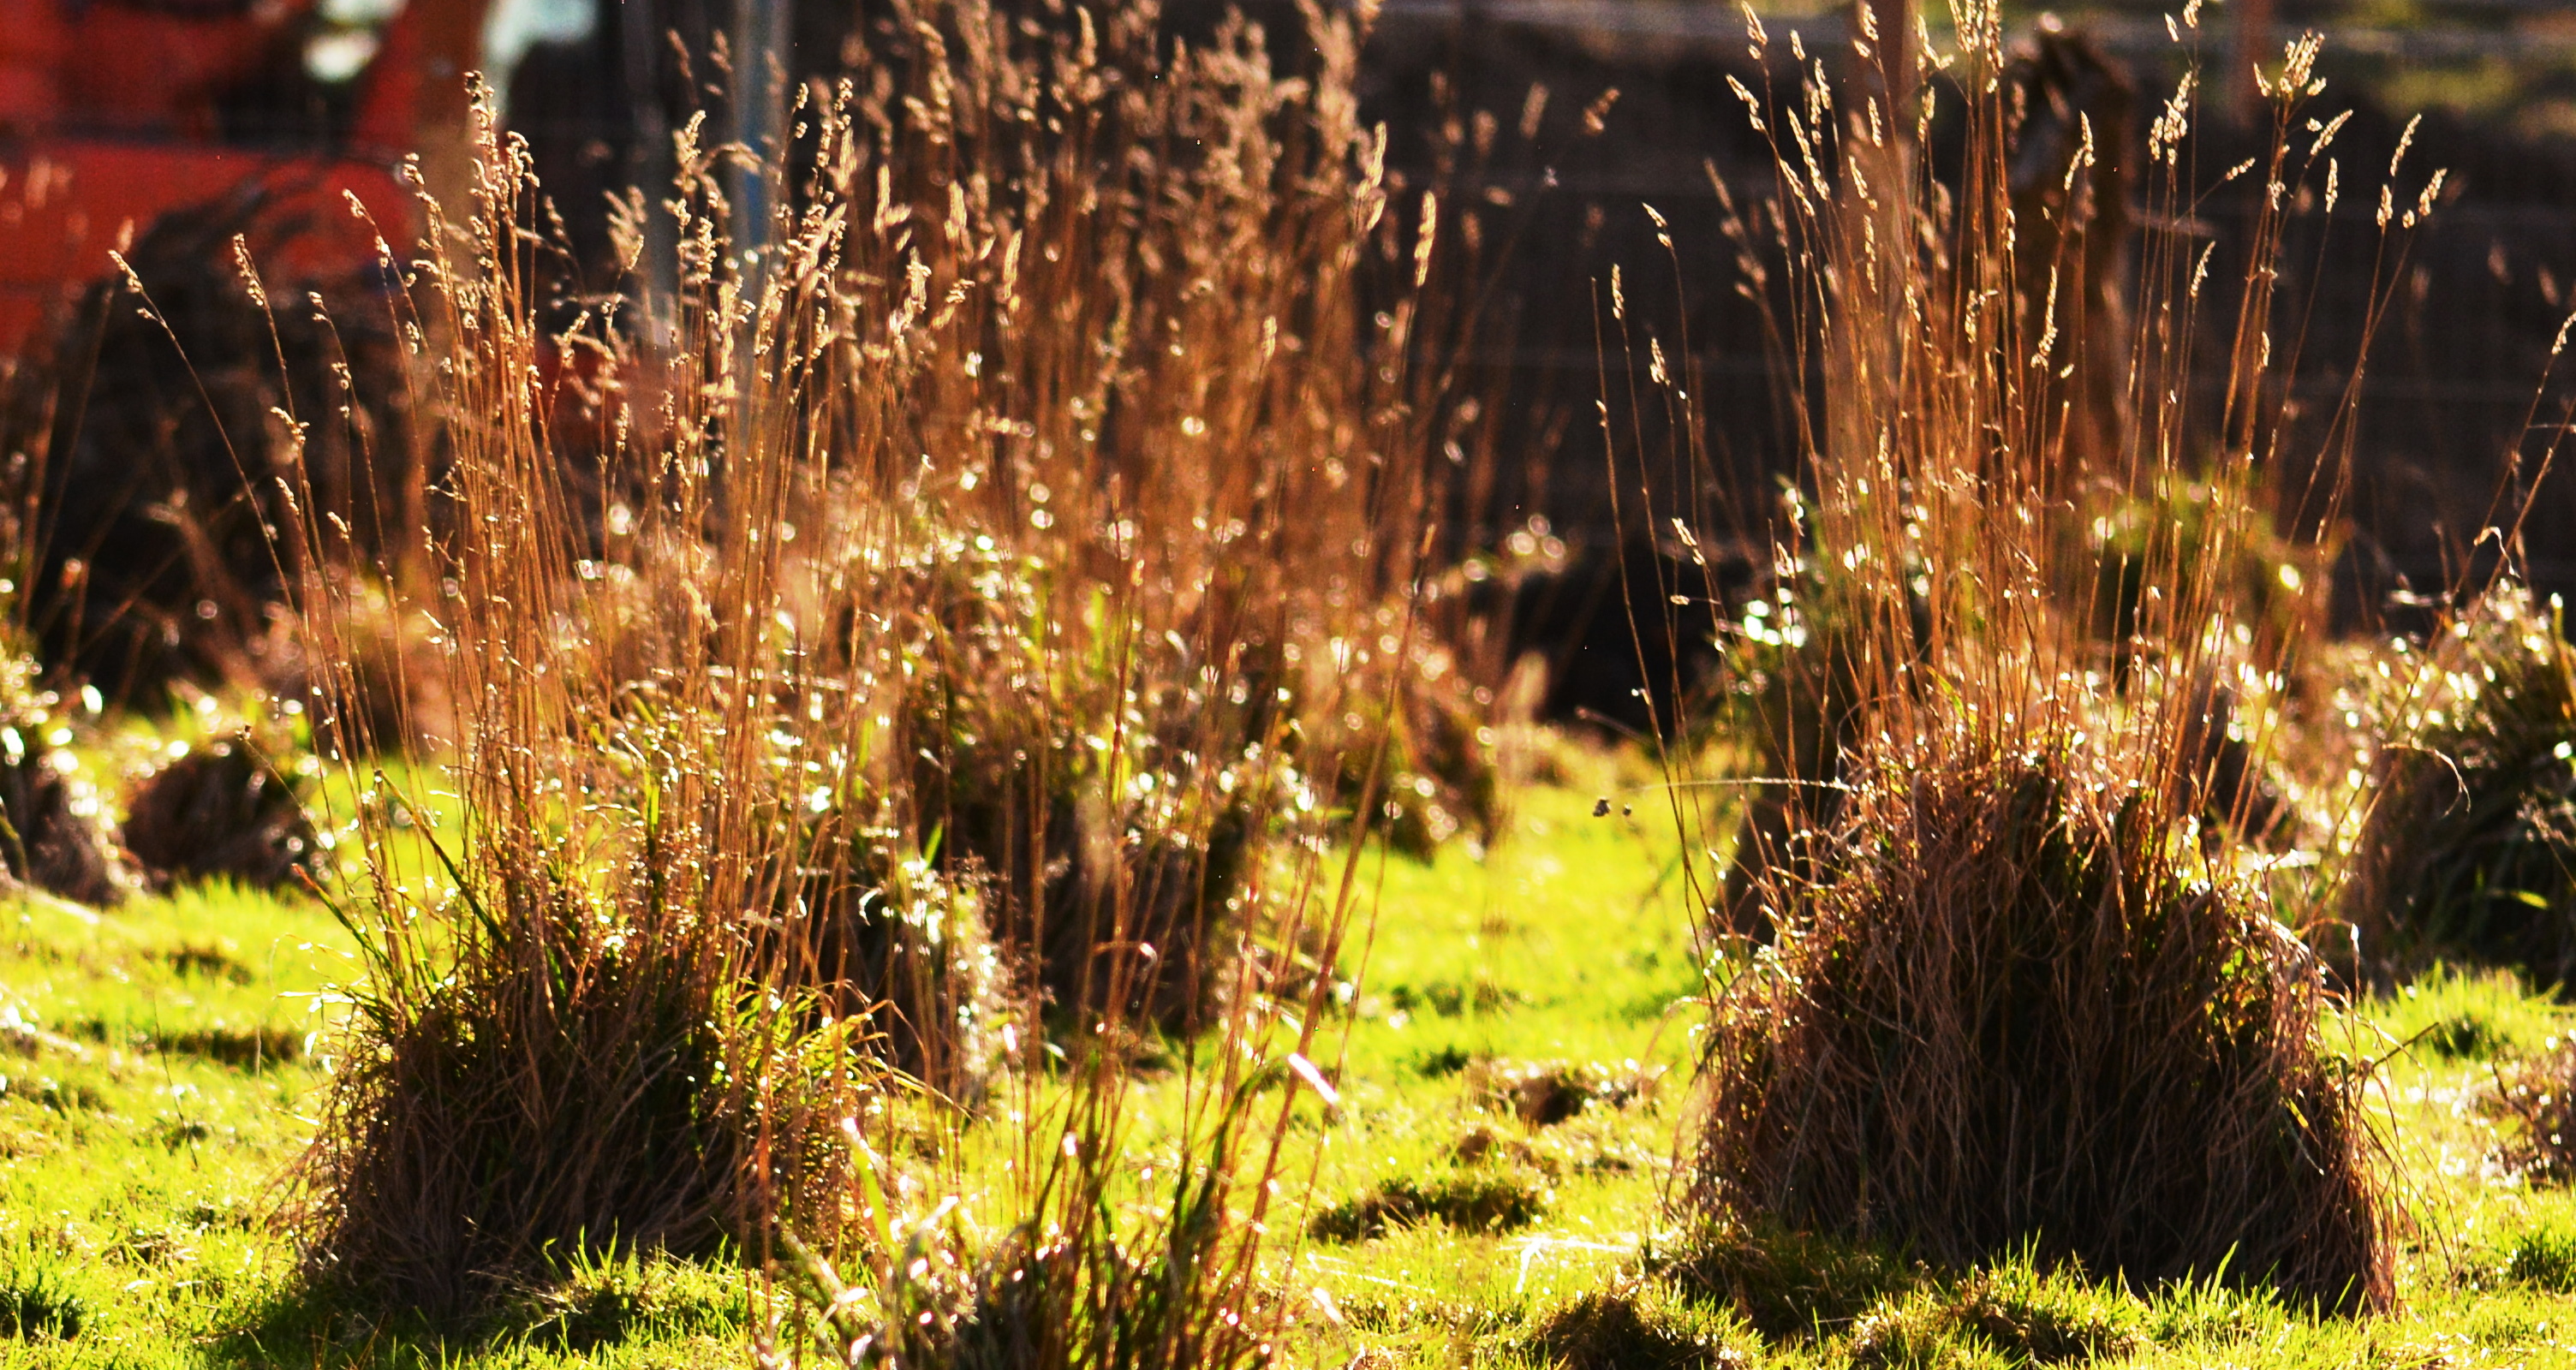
(1490, 1191)
(1040, 772)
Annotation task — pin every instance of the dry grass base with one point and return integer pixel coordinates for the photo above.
(2011, 1015)
(560, 1092)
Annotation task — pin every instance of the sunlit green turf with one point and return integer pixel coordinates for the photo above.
(160, 1078)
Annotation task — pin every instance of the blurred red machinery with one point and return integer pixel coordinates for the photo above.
(108, 121)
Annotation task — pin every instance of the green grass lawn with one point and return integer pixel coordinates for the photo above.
(1491, 1191)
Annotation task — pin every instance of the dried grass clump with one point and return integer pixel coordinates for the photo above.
(2542, 1257)
(572, 1036)
(1545, 1093)
(57, 834)
(2213, 528)
(2011, 1313)
(392, 653)
(2023, 993)
(2469, 847)
(1795, 682)
(1786, 1283)
(1638, 1324)
(221, 810)
(893, 943)
(2012, 952)
(554, 1090)
(1032, 1296)
(38, 1304)
(1475, 1202)
(1439, 777)
(1097, 790)
(2538, 1096)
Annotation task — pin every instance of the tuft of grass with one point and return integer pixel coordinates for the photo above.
(1638, 1324)
(1441, 1062)
(2464, 1036)
(2468, 849)
(2011, 954)
(38, 1303)
(221, 810)
(2010, 1314)
(54, 827)
(2023, 991)
(2461, 1014)
(376, 682)
(906, 950)
(2046, 1319)
(1785, 1283)
(1545, 1093)
(2533, 1094)
(568, 1036)
(2542, 1257)
(600, 1299)
(1478, 1201)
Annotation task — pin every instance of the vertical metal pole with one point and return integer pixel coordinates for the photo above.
(648, 163)
(759, 76)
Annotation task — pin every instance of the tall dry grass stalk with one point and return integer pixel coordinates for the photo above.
(2021, 987)
(964, 590)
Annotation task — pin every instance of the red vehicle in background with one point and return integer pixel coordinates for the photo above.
(112, 115)
(139, 460)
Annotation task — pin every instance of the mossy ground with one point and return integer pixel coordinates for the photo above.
(1516, 1069)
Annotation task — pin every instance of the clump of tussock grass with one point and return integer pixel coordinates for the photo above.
(544, 1090)
(221, 809)
(2011, 1313)
(38, 1304)
(2543, 1257)
(1545, 1093)
(388, 646)
(562, 1043)
(2533, 1095)
(1783, 1282)
(597, 1300)
(2464, 1015)
(907, 950)
(2023, 997)
(1023, 732)
(2010, 950)
(57, 834)
(2275, 585)
(2464, 1036)
(2468, 849)
(1553, 1153)
(1176, 1291)
(1640, 1323)
(1441, 769)
(1794, 683)
(159, 447)
(1477, 1201)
